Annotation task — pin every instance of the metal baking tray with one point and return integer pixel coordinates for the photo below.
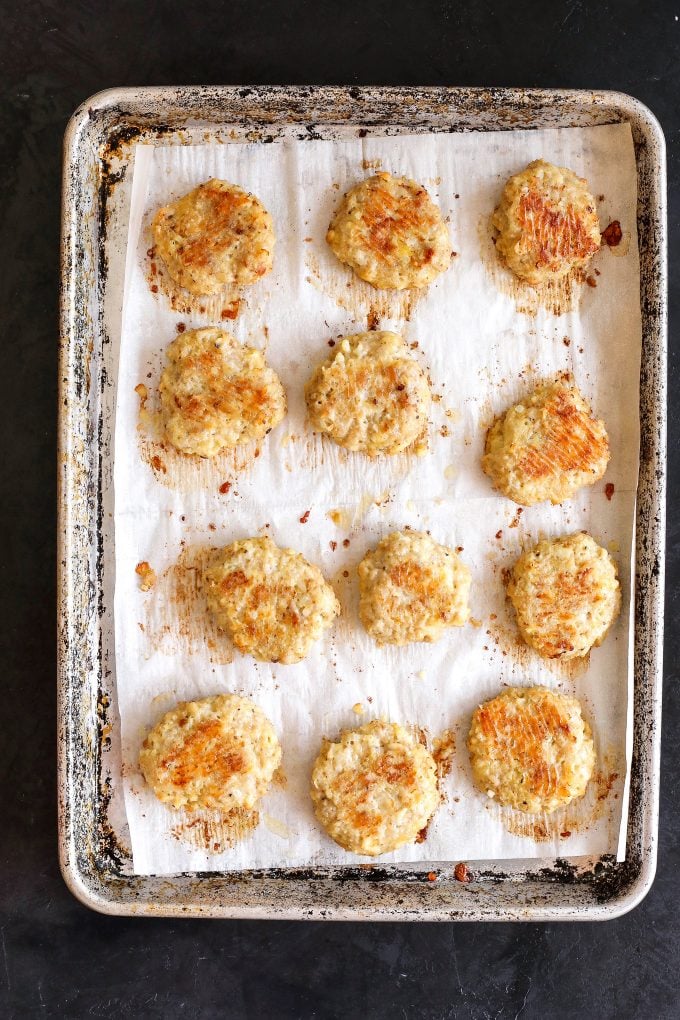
(95, 859)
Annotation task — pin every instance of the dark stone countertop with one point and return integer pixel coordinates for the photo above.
(58, 958)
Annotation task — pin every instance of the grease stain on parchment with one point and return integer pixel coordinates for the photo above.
(573, 818)
(178, 620)
(443, 750)
(215, 309)
(183, 472)
(215, 831)
(362, 300)
(503, 633)
(555, 296)
(508, 641)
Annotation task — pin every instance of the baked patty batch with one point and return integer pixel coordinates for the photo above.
(375, 788)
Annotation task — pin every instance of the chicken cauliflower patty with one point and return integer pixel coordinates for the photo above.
(370, 395)
(216, 236)
(547, 446)
(547, 223)
(530, 748)
(375, 788)
(219, 753)
(391, 233)
(412, 589)
(216, 393)
(566, 595)
(273, 603)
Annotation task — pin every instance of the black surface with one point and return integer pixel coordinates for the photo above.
(59, 959)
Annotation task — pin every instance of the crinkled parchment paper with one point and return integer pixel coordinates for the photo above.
(484, 343)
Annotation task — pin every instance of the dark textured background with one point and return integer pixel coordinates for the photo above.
(58, 959)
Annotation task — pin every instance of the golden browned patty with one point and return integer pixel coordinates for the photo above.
(546, 447)
(216, 393)
(218, 753)
(547, 223)
(370, 395)
(375, 788)
(216, 236)
(412, 589)
(531, 749)
(566, 595)
(391, 233)
(272, 602)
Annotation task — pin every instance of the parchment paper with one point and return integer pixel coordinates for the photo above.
(484, 346)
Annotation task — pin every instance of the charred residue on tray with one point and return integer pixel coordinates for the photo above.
(120, 140)
(607, 877)
(108, 846)
(177, 618)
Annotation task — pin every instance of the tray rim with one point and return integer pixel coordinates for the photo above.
(103, 893)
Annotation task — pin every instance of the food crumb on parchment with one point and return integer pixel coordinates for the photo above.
(147, 576)
(612, 234)
(358, 709)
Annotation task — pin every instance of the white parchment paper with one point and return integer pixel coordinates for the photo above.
(482, 354)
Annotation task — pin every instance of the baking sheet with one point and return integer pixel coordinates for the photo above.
(482, 354)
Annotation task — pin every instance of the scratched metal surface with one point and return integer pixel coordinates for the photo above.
(95, 858)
